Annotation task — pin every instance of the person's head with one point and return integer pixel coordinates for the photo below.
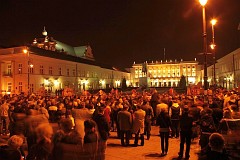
(216, 142)
(185, 109)
(44, 132)
(89, 125)
(227, 113)
(234, 108)
(15, 141)
(66, 125)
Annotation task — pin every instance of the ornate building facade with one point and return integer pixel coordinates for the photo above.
(165, 74)
(52, 65)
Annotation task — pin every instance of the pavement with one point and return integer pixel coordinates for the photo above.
(150, 151)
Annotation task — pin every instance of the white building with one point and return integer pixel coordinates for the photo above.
(47, 64)
(165, 74)
(227, 70)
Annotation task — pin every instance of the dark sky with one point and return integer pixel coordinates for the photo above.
(123, 31)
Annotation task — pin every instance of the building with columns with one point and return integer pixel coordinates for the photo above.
(165, 74)
(47, 64)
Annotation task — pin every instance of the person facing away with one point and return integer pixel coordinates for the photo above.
(215, 148)
(186, 124)
(148, 118)
(124, 119)
(11, 151)
(138, 125)
(164, 123)
(42, 150)
(175, 112)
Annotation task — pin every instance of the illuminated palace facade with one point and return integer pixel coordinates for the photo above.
(47, 64)
(165, 74)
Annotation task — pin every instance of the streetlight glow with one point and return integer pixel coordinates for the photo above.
(203, 2)
(213, 21)
(25, 51)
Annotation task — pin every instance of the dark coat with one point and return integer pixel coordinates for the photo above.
(186, 122)
(103, 126)
(124, 119)
(164, 121)
(40, 151)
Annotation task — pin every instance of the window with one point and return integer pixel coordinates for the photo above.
(59, 71)
(68, 72)
(41, 69)
(20, 87)
(74, 72)
(31, 88)
(9, 69)
(50, 70)
(31, 70)
(19, 68)
(9, 87)
(87, 74)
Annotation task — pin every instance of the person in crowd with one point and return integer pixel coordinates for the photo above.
(215, 149)
(164, 123)
(66, 133)
(235, 112)
(80, 115)
(223, 125)
(186, 123)
(90, 132)
(174, 113)
(138, 125)
(124, 119)
(207, 125)
(107, 112)
(103, 128)
(42, 150)
(153, 102)
(4, 117)
(161, 106)
(148, 118)
(217, 113)
(32, 121)
(194, 112)
(11, 151)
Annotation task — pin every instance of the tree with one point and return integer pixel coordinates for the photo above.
(124, 84)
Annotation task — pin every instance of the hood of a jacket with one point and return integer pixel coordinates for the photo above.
(175, 105)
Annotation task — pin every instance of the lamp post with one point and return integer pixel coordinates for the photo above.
(28, 77)
(213, 45)
(203, 3)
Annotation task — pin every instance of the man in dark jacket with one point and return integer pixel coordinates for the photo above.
(186, 123)
(124, 119)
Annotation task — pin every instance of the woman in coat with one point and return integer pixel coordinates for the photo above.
(164, 121)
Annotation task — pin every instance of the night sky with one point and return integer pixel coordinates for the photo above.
(123, 31)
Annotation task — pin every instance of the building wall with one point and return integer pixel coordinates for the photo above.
(50, 73)
(227, 70)
(166, 74)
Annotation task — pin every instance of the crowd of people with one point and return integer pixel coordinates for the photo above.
(86, 120)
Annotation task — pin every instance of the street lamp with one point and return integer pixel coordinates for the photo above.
(203, 3)
(213, 45)
(25, 51)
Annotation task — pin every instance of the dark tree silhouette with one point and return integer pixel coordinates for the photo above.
(124, 84)
(183, 82)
